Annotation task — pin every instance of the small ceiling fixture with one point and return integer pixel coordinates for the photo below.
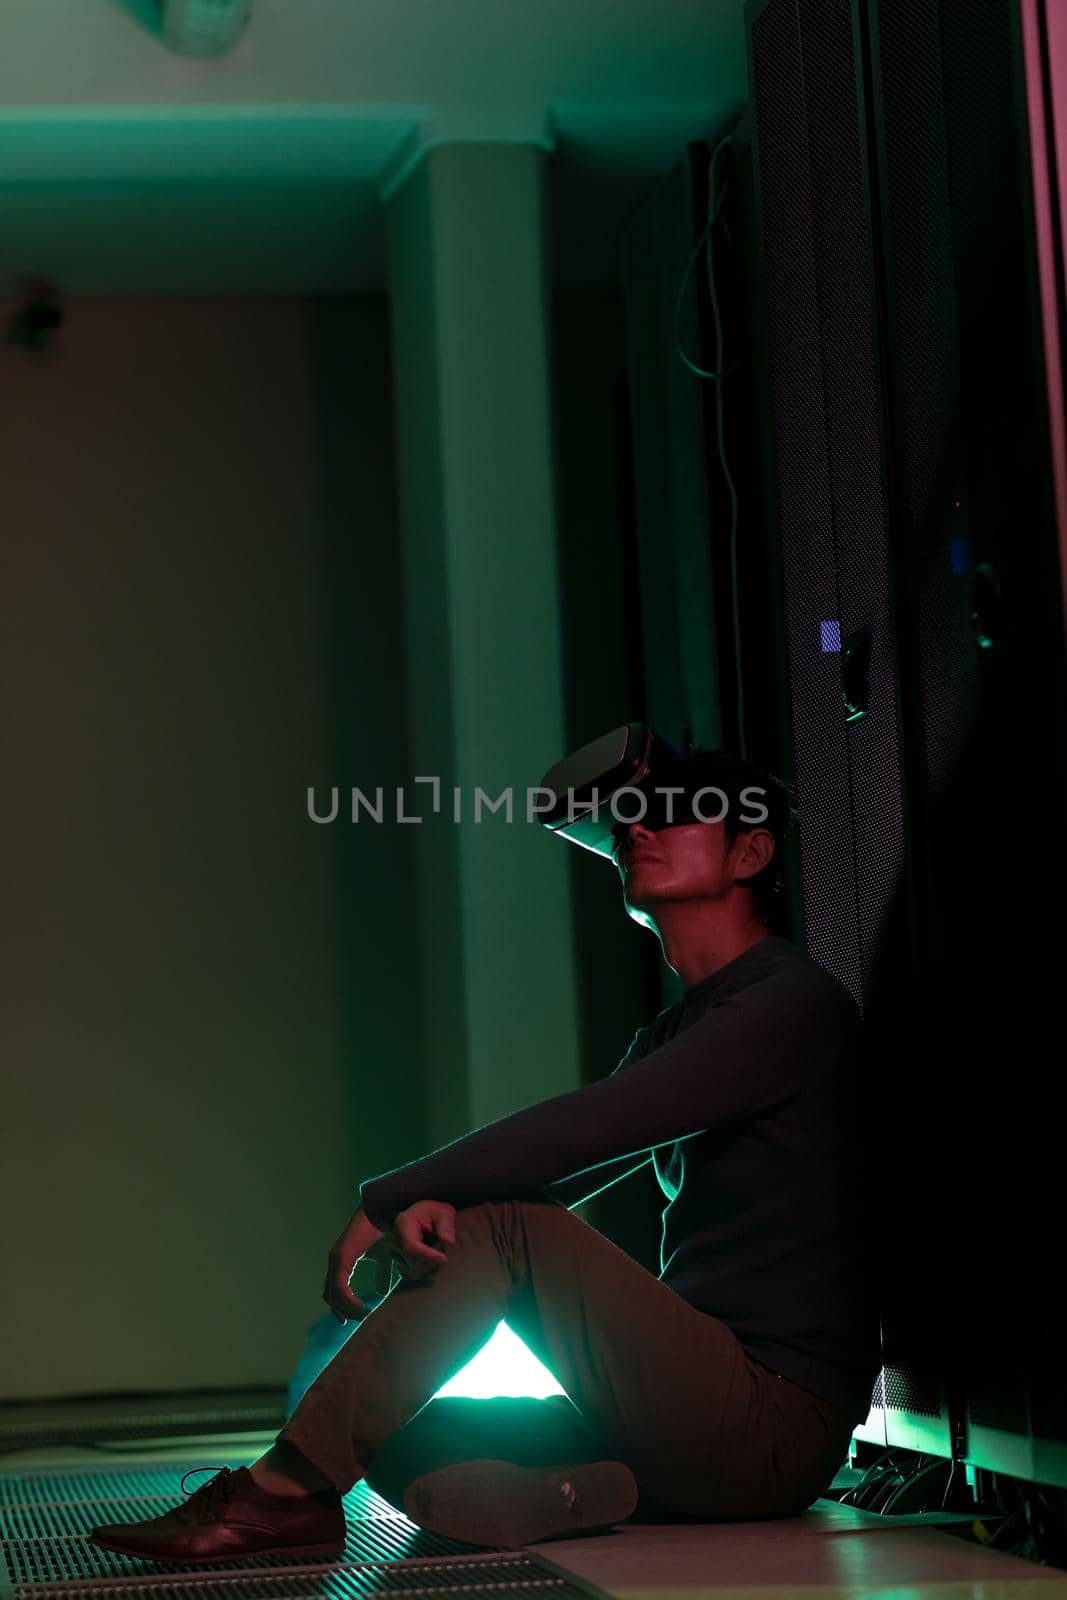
(204, 27)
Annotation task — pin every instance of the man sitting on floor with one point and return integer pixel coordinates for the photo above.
(726, 1388)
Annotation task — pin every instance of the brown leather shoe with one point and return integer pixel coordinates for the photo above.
(230, 1518)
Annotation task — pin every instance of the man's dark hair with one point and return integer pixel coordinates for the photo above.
(721, 769)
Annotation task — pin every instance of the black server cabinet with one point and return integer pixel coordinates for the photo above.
(910, 455)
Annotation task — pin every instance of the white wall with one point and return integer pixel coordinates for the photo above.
(196, 1018)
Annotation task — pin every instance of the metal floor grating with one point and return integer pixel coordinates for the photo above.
(45, 1518)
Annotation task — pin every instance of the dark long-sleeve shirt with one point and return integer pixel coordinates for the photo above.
(746, 1095)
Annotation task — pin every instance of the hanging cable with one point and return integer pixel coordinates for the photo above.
(716, 201)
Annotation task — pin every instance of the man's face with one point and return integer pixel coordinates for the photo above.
(685, 861)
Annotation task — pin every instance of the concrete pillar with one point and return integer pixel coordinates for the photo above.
(470, 298)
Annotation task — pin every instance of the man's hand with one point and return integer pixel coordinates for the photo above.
(358, 1240)
(418, 1232)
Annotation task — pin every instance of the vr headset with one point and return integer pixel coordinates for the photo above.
(634, 757)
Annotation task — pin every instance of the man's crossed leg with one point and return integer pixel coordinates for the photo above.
(663, 1401)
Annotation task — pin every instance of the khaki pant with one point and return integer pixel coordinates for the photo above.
(708, 1432)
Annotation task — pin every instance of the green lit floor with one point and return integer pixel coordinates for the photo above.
(831, 1551)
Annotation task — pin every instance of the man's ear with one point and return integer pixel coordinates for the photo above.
(755, 849)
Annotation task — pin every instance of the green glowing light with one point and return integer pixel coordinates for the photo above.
(504, 1365)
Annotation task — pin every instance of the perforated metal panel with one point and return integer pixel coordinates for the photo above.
(45, 1519)
(834, 519)
(831, 510)
(924, 373)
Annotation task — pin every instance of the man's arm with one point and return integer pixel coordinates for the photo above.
(745, 1053)
(583, 1186)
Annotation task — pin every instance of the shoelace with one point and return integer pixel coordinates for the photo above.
(216, 1492)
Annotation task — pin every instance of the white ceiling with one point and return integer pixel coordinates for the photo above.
(127, 169)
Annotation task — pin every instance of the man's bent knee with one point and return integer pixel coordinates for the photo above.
(526, 1200)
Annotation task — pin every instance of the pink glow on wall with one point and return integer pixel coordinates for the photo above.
(1044, 24)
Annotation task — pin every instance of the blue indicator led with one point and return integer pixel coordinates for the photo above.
(961, 554)
(830, 637)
